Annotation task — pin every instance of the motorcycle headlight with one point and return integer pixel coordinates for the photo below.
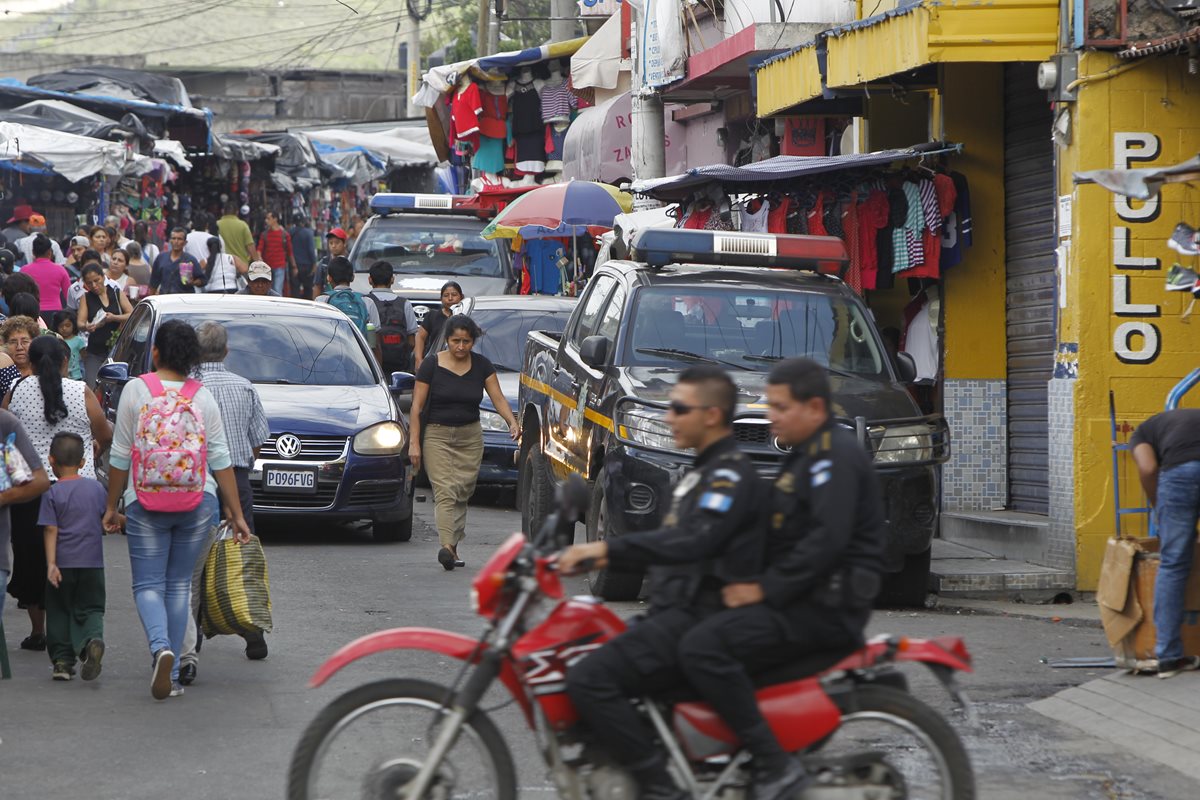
(645, 426)
(491, 421)
(385, 439)
(903, 444)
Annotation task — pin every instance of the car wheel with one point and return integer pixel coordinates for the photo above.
(397, 530)
(910, 586)
(608, 583)
(539, 492)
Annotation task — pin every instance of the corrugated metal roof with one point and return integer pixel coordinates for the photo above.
(1167, 44)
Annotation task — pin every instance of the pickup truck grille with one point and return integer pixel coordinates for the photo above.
(752, 432)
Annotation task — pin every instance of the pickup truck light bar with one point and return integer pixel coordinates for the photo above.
(386, 203)
(659, 247)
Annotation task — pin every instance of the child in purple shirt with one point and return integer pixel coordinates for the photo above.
(72, 512)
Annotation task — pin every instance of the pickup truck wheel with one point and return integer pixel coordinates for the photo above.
(398, 530)
(537, 490)
(910, 586)
(607, 583)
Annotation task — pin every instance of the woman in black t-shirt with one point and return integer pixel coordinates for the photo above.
(446, 434)
(452, 295)
(100, 296)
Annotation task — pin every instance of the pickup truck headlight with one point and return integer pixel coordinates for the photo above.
(385, 439)
(903, 444)
(491, 421)
(646, 426)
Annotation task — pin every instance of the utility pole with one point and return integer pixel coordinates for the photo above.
(563, 19)
(649, 126)
(494, 31)
(481, 32)
(414, 64)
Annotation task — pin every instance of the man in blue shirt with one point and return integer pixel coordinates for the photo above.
(304, 252)
(176, 272)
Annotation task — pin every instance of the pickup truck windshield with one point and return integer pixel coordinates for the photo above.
(751, 329)
(505, 331)
(290, 349)
(428, 246)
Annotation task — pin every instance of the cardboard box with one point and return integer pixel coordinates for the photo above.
(1126, 599)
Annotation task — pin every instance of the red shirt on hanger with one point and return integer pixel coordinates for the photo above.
(872, 216)
(464, 110)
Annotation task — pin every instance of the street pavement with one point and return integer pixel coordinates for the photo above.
(232, 733)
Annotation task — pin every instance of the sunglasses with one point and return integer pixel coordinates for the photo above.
(679, 409)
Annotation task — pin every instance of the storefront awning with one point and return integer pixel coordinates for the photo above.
(599, 62)
(599, 143)
(910, 37)
(789, 79)
(756, 176)
(725, 68)
(73, 157)
(439, 80)
(396, 147)
(1141, 184)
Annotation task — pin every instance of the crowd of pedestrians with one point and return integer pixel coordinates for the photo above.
(62, 305)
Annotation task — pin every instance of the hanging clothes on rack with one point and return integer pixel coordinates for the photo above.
(957, 234)
(528, 130)
(872, 218)
(754, 215)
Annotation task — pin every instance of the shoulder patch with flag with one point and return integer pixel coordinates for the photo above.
(716, 501)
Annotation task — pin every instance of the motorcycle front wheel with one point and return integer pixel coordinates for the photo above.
(370, 743)
(892, 742)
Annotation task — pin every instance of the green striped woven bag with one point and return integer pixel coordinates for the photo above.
(237, 592)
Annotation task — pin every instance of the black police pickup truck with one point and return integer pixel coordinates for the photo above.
(593, 399)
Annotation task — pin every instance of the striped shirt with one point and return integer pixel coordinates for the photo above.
(246, 426)
(557, 102)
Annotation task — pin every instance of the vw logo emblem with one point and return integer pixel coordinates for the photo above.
(288, 446)
(780, 446)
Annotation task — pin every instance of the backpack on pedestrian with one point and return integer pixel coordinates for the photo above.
(170, 450)
(393, 332)
(351, 303)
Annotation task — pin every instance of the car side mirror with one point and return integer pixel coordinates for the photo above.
(906, 366)
(402, 383)
(117, 372)
(593, 351)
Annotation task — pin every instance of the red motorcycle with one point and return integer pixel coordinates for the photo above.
(848, 715)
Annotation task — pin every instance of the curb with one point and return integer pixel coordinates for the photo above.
(948, 607)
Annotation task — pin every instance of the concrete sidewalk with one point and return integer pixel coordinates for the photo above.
(961, 571)
(1154, 719)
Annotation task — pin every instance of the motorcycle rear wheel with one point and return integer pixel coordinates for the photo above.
(485, 757)
(875, 718)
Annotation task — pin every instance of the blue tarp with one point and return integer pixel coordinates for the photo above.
(780, 168)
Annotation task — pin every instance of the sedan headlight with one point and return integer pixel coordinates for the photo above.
(385, 439)
(903, 444)
(645, 425)
(491, 421)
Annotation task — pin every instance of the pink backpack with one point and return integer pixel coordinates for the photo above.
(170, 454)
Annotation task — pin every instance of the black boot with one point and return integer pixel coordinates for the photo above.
(780, 783)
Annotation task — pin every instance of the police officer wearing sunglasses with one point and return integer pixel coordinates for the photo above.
(712, 536)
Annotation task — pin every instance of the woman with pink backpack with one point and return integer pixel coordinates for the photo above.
(169, 455)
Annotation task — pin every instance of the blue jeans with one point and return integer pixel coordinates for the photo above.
(163, 549)
(277, 276)
(1177, 509)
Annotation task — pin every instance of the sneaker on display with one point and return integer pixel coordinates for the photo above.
(1181, 279)
(1183, 240)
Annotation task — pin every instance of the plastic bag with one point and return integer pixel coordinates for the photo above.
(16, 470)
(236, 590)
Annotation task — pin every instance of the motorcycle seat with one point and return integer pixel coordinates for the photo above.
(803, 666)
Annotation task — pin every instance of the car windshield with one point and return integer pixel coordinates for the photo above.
(751, 329)
(428, 246)
(505, 331)
(293, 349)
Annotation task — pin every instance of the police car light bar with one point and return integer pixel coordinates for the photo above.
(392, 202)
(661, 246)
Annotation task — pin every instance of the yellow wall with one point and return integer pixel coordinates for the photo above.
(974, 345)
(1157, 97)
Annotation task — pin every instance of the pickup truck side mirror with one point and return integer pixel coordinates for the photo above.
(593, 351)
(117, 372)
(907, 367)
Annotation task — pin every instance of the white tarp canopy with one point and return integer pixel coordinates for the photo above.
(73, 157)
(400, 147)
(598, 63)
(172, 150)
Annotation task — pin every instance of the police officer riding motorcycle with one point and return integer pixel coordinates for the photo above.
(712, 536)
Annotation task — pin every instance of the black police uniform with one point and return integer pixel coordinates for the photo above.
(712, 535)
(825, 546)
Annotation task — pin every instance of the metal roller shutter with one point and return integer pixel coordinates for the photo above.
(1029, 237)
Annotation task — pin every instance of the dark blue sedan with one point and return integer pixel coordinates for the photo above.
(506, 320)
(338, 445)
